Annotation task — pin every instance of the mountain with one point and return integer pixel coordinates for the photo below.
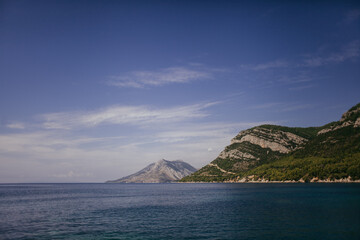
(160, 172)
(277, 153)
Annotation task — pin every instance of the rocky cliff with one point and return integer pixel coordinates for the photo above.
(160, 172)
(280, 153)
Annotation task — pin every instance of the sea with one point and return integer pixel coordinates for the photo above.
(180, 211)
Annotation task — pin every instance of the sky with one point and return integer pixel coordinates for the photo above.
(96, 90)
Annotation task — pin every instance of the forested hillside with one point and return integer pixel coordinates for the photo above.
(277, 153)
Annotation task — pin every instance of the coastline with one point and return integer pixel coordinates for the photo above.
(251, 179)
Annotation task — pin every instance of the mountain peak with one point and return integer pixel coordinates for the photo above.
(159, 172)
(162, 161)
(351, 118)
(278, 153)
(352, 114)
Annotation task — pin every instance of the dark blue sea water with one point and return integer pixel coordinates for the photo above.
(180, 211)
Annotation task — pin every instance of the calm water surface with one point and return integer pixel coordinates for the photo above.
(180, 211)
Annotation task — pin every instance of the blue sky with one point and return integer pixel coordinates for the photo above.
(95, 90)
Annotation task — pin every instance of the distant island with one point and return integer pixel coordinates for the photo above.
(163, 171)
(270, 153)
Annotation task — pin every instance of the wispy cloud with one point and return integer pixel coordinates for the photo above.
(299, 88)
(351, 50)
(16, 125)
(266, 105)
(282, 71)
(134, 115)
(352, 16)
(50, 154)
(281, 107)
(295, 107)
(71, 174)
(47, 141)
(204, 130)
(140, 79)
(265, 66)
(299, 78)
(56, 154)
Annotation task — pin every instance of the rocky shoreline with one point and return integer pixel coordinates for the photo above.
(329, 153)
(251, 179)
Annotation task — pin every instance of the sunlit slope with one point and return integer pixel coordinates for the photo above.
(279, 153)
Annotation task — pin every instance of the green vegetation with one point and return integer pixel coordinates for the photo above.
(262, 155)
(307, 133)
(335, 144)
(213, 174)
(332, 154)
(200, 178)
(290, 168)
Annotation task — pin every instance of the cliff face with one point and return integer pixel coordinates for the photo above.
(274, 139)
(251, 148)
(263, 146)
(350, 118)
(160, 172)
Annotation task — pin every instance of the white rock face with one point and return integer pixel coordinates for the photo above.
(357, 123)
(222, 170)
(348, 113)
(264, 143)
(295, 138)
(234, 153)
(159, 172)
(345, 122)
(279, 141)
